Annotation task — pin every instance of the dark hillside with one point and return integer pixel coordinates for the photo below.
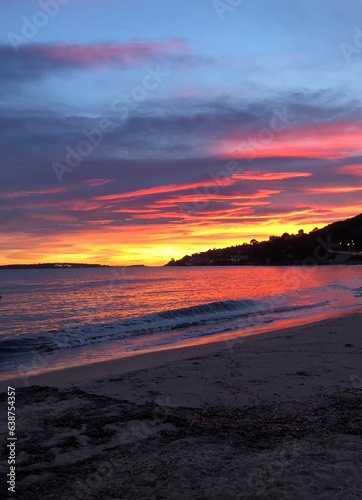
(301, 249)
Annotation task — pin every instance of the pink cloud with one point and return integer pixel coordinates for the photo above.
(95, 55)
(18, 194)
(96, 182)
(170, 188)
(269, 176)
(352, 170)
(319, 140)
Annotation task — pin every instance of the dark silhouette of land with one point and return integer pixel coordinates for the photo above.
(337, 243)
(50, 266)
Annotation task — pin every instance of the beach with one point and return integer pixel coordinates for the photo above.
(276, 415)
(181, 250)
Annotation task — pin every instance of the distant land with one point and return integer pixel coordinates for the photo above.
(337, 243)
(50, 266)
(61, 265)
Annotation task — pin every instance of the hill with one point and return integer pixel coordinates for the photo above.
(315, 248)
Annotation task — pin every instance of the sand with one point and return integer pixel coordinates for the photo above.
(277, 415)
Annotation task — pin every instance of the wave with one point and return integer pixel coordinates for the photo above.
(356, 291)
(211, 318)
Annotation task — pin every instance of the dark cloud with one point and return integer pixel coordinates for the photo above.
(33, 62)
(30, 142)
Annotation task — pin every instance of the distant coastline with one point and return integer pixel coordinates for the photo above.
(62, 265)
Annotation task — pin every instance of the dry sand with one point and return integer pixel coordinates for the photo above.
(273, 416)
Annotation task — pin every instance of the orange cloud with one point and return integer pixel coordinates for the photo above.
(155, 244)
(205, 198)
(269, 176)
(162, 189)
(335, 189)
(159, 228)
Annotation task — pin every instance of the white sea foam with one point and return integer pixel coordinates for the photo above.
(160, 305)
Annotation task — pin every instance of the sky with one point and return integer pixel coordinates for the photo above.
(136, 131)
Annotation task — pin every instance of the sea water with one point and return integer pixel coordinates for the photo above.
(55, 318)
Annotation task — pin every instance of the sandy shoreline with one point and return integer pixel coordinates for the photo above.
(311, 332)
(269, 416)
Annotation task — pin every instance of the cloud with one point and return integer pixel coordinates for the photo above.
(339, 139)
(190, 128)
(160, 189)
(35, 61)
(107, 54)
(335, 189)
(271, 176)
(38, 192)
(355, 170)
(96, 182)
(156, 178)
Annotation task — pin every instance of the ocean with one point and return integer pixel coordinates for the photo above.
(56, 318)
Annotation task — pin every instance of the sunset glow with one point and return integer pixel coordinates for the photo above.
(322, 140)
(141, 142)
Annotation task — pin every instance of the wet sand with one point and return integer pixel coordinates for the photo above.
(271, 416)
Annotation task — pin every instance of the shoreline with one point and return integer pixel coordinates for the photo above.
(271, 416)
(167, 355)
